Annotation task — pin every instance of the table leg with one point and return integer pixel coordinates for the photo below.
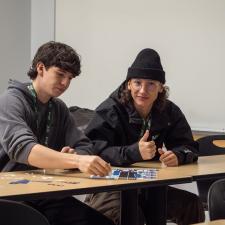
(129, 207)
(157, 205)
(156, 208)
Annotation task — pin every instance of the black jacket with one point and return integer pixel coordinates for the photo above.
(115, 131)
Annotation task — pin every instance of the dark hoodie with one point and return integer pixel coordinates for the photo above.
(115, 131)
(18, 127)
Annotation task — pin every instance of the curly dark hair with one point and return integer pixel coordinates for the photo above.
(126, 98)
(56, 54)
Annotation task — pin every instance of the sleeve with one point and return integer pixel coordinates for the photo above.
(17, 139)
(107, 135)
(180, 140)
(76, 139)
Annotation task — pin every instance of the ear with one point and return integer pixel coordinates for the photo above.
(40, 68)
(161, 88)
(128, 85)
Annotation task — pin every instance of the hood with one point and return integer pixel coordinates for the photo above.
(134, 116)
(19, 88)
(115, 95)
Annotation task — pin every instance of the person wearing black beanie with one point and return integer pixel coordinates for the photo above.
(137, 123)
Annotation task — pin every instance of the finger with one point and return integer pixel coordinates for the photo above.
(104, 168)
(153, 150)
(161, 151)
(164, 157)
(102, 171)
(168, 156)
(94, 171)
(71, 151)
(109, 168)
(101, 166)
(150, 144)
(65, 149)
(172, 162)
(104, 164)
(145, 136)
(161, 158)
(152, 155)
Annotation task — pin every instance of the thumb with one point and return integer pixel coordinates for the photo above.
(145, 136)
(161, 151)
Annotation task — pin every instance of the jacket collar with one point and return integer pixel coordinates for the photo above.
(159, 120)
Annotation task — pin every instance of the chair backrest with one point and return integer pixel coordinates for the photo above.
(17, 213)
(216, 200)
(209, 145)
(81, 116)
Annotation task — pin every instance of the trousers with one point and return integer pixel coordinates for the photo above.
(69, 211)
(183, 207)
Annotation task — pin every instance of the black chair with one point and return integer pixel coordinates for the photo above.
(207, 146)
(17, 213)
(216, 200)
(82, 116)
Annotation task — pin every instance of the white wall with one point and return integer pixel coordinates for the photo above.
(188, 34)
(15, 40)
(42, 23)
(25, 25)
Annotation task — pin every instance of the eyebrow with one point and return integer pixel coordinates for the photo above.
(61, 70)
(65, 71)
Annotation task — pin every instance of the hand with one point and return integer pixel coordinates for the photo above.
(93, 165)
(69, 150)
(147, 148)
(168, 157)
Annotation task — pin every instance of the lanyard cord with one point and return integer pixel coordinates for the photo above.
(49, 116)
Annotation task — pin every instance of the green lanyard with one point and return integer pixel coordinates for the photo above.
(49, 117)
(146, 125)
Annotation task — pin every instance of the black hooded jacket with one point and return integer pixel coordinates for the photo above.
(115, 131)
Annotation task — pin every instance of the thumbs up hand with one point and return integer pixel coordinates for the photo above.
(147, 148)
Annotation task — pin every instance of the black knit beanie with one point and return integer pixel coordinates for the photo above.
(147, 65)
